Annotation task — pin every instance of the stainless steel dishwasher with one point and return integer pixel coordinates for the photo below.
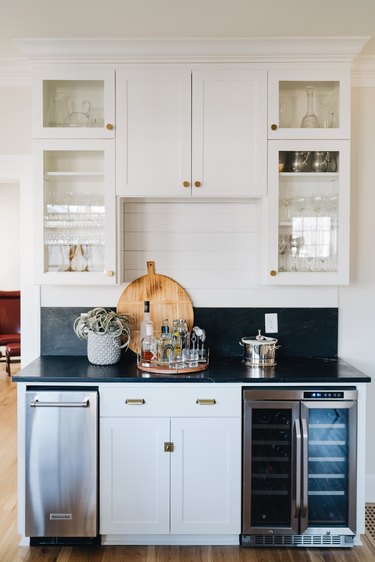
(61, 463)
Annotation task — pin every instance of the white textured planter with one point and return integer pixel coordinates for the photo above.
(103, 349)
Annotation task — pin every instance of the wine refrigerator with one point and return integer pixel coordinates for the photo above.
(299, 467)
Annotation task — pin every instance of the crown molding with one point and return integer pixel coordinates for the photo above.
(241, 49)
(363, 72)
(16, 72)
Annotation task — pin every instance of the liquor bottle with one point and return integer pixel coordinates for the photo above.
(148, 344)
(166, 351)
(146, 322)
(176, 340)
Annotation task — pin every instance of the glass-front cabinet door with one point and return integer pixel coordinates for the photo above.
(74, 103)
(309, 104)
(271, 478)
(308, 213)
(328, 496)
(76, 232)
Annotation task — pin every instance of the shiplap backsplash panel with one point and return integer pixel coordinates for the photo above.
(202, 245)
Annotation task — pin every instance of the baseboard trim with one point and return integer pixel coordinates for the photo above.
(192, 540)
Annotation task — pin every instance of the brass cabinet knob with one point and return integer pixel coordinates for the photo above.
(197, 183)
(186, 184)
(109, 126)
(273, 273)
(110, 273)
(274, 127)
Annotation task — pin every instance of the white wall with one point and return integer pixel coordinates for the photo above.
(357, 302)
(10, 237)
(15, 119)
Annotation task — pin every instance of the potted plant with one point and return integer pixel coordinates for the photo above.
(106, 332)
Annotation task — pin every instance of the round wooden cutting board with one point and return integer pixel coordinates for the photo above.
(168, 300)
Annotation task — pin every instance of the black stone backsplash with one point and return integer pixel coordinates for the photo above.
(303, 332)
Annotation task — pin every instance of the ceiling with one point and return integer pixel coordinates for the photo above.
(184, 18)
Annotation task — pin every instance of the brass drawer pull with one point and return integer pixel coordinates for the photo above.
(206, 401)
(135, 401)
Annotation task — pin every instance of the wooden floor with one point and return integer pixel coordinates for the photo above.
(9, 539)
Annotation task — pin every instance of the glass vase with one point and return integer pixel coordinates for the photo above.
(310, 120)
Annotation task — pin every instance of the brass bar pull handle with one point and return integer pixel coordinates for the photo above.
(135, 401)
(206, 401)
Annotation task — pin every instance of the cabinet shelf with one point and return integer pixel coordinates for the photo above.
(53, 176)
(309, 176)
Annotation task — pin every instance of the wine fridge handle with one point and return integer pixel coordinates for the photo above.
(305, 474)
(298, 469)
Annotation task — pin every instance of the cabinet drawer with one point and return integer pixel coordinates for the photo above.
(141, 401)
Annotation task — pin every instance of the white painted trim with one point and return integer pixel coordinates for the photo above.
(16, 168)
(200, 49)
(363, 72)
(195, 540)
(17, 72)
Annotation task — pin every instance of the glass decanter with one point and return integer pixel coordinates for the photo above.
(310, 120)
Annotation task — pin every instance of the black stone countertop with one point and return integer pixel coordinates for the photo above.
(77, 369)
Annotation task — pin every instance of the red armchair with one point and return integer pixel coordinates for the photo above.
(10, 324)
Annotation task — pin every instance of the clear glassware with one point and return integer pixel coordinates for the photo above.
(58, 110)
(310, 120)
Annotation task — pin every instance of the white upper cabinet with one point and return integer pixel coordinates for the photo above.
(75, 221)
(307, 218)
(309, 104)
(229, 139)
(153, 109)
(74, 102)
(183, 132)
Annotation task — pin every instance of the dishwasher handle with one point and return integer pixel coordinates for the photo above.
(36, 404)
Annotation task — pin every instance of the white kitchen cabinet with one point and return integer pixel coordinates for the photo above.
(329, 94)
(134, 475)
(170, 461)
(185, 132)
(74, 101)
(75, 226)
(307, 213)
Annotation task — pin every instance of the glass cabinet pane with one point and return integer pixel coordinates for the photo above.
(73, 103)
(74, 211)
(309, 104)
(308, 211)
(271, 453)
(328, 467)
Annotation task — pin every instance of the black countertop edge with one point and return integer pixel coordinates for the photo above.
(77, 369)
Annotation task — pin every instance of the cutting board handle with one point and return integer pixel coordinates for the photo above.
(151, 268)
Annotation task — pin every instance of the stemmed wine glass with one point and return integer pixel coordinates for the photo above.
(283, 246)
(295, 245)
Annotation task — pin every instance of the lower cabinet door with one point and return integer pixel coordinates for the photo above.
(134, 476)
(206, 475)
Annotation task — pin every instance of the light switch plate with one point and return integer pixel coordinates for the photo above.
(271, 323)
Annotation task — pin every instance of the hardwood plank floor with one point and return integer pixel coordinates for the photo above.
(9, 538)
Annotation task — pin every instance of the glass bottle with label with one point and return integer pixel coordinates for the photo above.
(146, 327)
(166, 351)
